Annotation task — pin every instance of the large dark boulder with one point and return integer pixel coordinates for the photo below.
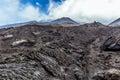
(111, 44)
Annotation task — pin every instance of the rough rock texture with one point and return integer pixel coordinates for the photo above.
(86, 52)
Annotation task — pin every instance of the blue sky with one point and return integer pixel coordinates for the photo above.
(17, 11)
(42, 4)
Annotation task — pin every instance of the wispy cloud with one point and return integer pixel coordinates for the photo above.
(88, 10)
(12, 11)
(29, 12)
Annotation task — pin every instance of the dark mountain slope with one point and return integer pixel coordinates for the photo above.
(18, 24)
(115, 23)
(46, 52)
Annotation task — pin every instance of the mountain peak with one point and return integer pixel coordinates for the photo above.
(64, 20)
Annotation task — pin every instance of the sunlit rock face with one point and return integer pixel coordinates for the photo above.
(111, 74)
(53, 52)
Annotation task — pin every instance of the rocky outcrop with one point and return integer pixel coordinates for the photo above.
(111, 74)
(111, 44)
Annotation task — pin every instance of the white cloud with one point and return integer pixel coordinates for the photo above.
(7, 10)
(29, 12)
(88, 10)
(12, 11)
(37, 3)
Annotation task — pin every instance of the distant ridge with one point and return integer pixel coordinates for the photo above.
(64, 20)
(115, 23)
(18, 24)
